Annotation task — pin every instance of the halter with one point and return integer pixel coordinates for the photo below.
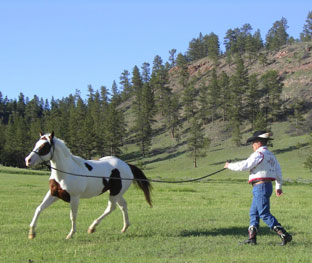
(52, 146)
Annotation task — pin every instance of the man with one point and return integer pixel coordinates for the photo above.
(264, 168)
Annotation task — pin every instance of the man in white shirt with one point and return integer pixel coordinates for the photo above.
(264, 169)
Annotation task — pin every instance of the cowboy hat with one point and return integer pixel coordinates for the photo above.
(258, 135)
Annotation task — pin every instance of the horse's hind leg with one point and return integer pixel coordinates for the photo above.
(123, 207)
(110, 208)
(47, 201)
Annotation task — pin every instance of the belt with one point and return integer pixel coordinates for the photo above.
(261, 182)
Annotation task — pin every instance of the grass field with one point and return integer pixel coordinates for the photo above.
(193, 222)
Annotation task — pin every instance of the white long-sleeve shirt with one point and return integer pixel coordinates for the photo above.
(262, 164)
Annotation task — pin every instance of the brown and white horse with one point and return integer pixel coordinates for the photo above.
(70, 188)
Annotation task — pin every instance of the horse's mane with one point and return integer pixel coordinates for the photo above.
(62, 145)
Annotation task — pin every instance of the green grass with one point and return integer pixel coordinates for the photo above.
(197, 222)
(192, 222)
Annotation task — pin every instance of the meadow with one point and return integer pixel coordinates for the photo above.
(190, 222)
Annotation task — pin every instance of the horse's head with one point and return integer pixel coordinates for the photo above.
(43, 150)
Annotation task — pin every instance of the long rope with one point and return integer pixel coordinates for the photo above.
(137, 179)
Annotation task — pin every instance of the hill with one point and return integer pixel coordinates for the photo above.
(293, 64)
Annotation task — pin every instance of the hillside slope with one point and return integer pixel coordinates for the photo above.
(170, 158)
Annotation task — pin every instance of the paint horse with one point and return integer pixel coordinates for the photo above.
(70, 188)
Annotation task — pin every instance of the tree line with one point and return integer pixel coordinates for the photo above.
(97, 126)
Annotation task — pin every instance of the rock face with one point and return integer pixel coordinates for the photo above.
(293, 62)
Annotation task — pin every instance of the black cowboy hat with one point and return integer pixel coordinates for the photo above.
(258, 135)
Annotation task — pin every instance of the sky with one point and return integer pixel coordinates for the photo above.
(53, 48)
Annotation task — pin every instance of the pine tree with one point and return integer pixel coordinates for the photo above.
(277, 35)
(213, 95)
(260, 122)
(159, 84)
(252, 106)
(172, 115)
(125, 85)
(77, 116)
(297, 119)
(225, 96)
(238, 87)
(197, 142)
(172, 57)
(308, 161)
(189, 100)
(203, 111)
(271, 92)
(306, 34)
(196, 48)
(212, 46)
(116, 97)
(142, 127)
(115, 129)
(17, 142)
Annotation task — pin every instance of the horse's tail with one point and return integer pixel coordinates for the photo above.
(142, 182)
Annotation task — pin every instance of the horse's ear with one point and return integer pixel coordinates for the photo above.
(51, 135)
(41, 133)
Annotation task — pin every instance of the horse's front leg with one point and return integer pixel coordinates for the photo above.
(47, 201)
(74, 202)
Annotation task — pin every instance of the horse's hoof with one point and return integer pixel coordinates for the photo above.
(125, 229)
(31, 236)
(91, 230)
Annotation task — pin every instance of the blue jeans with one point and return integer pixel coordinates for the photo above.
(260, 206)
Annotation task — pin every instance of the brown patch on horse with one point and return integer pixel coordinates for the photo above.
(114, 184)
(56, 190)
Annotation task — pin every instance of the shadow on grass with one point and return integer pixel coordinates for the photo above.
(231, 231)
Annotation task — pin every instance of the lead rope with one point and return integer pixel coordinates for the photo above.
(134, 179)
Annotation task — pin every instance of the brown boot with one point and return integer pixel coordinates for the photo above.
(285, 237)
(252, 236)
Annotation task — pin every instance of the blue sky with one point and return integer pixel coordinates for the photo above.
(51, 48)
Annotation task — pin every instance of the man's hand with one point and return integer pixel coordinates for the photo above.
(226, 165)
(279, 192)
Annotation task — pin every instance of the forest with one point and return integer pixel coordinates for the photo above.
(170, 94)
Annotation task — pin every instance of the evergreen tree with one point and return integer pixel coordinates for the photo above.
(17, 142)
(271, 92)
(213, 95)
(308, 161)
(189, 100)
(252, 106)
(115, 93)
(297, 119)
(196, 49)
(238, 86)
(172, 115)
(306, 34)
(225, 95)
(277, 35)
(172, 57)
(212, 46)
(197, 142)
(77, 116)
(260, 122)
(115, 129)
(125, 85)
(203, 111)
(159, 84)
(142, 127)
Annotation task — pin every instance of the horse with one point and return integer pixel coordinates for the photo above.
(106, 174)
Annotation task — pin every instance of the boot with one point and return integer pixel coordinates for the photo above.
(285, 237)
(252, 236)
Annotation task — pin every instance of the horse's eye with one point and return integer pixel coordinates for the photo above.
(44, 149)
